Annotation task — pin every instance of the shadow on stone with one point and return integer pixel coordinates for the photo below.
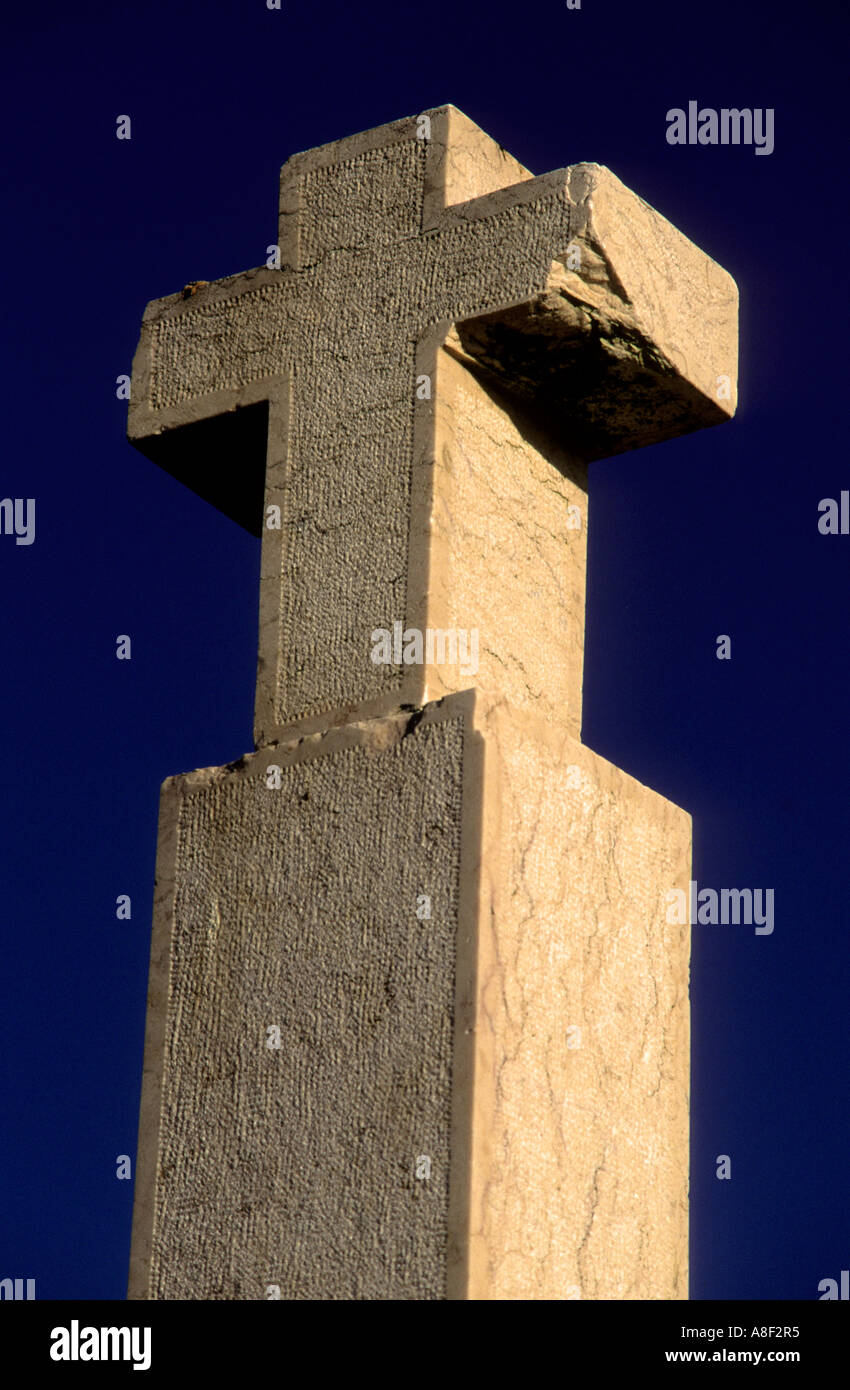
(222, 459)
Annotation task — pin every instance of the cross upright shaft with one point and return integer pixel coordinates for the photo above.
(445, 909)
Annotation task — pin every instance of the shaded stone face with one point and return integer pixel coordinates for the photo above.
(295, 910)
(417, 1024)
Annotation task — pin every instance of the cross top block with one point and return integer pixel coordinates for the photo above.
(288, 398)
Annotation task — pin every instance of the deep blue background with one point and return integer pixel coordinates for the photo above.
(716, 533)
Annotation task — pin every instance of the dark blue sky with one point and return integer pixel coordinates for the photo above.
(716, 533)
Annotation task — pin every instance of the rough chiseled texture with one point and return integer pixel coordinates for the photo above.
(296, 907)
(346, 498)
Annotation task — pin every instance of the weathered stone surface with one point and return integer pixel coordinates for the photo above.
(295, 907)
(635, 345)
(386, 240)
(503, 545)
(529, 1037)
(579, 1123)
(423, 384)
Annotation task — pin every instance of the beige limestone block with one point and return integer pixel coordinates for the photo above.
(528, 1036)
(579, 1171)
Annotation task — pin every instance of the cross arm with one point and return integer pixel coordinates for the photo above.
(629, 335)
(206, 366)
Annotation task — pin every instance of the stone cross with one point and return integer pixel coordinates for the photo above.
(417, 1023)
